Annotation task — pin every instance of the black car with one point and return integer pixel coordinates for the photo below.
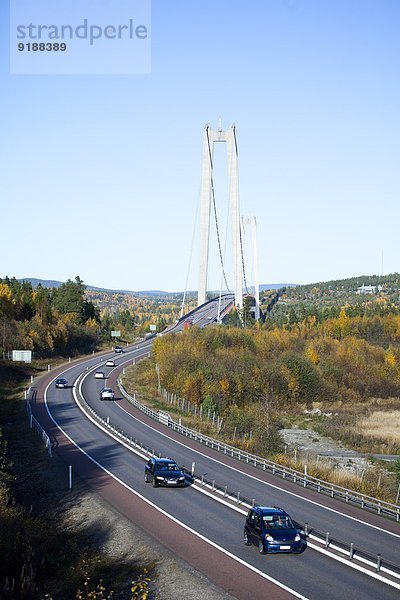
(61, 383)
(272, 530)
(164, 471)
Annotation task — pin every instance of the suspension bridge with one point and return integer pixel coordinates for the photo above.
(238, 224)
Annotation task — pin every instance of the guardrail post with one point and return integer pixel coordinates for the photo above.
(306, 527)
(238, 498)
(327, 539)
(225, 491)
(253, 502)
(213, 485)
(351, 554)
(378, 562)
(193, 468)
(202, 480)
(70, 477)
(305, 476)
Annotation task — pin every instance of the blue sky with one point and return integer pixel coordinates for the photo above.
(100, 174)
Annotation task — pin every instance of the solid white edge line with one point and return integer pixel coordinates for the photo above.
(183, 525)
(118, 439)
(202, 490)
(262, 481)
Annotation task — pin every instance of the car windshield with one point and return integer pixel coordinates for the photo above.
(278, 521)
(168, 467)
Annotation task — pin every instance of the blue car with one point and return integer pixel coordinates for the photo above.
(272, 530)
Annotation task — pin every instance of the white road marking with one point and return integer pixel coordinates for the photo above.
(172, 518)
(260, 480)
(202, 490)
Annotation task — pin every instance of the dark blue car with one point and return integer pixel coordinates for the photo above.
(272, 530)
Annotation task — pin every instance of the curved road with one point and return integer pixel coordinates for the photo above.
(205, 533)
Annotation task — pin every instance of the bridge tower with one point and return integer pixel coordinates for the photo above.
(210, 137)
(252, 222)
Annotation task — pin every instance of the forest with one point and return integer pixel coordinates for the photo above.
(48, 321)
(253, 378)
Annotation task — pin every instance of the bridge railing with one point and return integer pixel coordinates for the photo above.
(303, 479)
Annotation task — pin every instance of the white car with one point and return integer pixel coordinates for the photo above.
(99, 375)
(107, 394)
(110, 363)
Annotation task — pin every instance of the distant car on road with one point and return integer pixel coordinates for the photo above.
(164, 471)
(99, 375)
(61, 383)
(107, 394)
(118, 350)
(110, 363)
(272, 530)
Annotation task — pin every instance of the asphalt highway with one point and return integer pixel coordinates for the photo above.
(207, 533)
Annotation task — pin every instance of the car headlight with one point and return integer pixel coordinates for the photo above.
(269, 538)
(297, 538)
(158, 477)
(181, 478)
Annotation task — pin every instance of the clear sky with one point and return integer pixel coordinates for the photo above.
(100, 174)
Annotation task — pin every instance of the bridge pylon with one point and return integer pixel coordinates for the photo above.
(210, 137)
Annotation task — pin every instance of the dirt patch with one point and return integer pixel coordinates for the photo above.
(311, 444)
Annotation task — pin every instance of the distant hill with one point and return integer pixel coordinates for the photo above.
(50, 283)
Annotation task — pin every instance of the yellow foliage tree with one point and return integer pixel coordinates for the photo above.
(6, 301)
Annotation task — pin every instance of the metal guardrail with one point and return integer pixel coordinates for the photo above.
(34, 423)
(324, 539)
(324, 487)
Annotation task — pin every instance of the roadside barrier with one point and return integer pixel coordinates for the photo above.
(303, 479)
(30, 396)
(321, 540)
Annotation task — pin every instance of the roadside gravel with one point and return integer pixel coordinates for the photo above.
(172, 579)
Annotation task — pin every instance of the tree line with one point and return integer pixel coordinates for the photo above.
(46, 320)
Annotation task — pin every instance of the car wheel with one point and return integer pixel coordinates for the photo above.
(246, 539)
(261, 547)
(146, 478)
(154, 482)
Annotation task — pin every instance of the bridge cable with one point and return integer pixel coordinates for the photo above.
(190, 255)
